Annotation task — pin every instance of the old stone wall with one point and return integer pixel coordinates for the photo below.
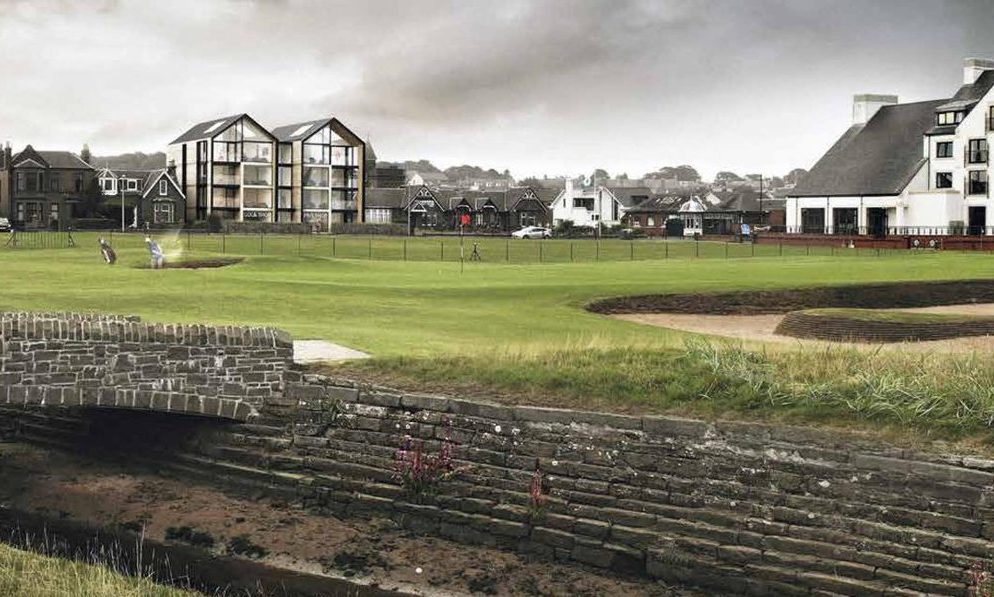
(100, 360)
(730, 507)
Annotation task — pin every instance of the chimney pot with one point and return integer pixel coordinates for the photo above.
(865, 105)
(974, 67)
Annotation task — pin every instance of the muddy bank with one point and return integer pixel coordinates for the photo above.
(253, 538)
(756, 302)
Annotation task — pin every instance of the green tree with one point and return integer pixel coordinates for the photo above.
(726, 176)
(794, 176)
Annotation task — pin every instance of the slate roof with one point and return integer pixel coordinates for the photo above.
(385, 198)
(658, 203)
(285, 133)
(878, 158)
(630, 196)
(966, 99)
(51, 159)
(198, 131)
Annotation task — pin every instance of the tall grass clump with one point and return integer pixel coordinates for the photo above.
(946, 394)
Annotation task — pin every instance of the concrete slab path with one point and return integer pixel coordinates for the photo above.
(316, 351)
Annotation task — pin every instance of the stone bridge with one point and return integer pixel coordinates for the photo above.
(107, 361)
(730, 507)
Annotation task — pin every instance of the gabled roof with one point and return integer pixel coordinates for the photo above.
(49, 159)
(385, 198)
(300, 130)
(878, 158)
(200, 130)
(629, 196)
(153, 178)
(658, 203)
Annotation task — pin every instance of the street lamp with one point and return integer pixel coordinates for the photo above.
(120, 191)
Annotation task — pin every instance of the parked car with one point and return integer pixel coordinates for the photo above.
(5, 225)
(532, 232)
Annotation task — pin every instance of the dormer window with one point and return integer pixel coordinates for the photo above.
(949, 118)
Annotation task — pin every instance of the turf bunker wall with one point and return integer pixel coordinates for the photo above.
(729, 507)
(894, 295)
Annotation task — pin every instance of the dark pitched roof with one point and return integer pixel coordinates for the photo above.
(630, 196)
(965, 100)
(51, 159)
(300, 130)
(385, 198)
(658, 203)
(878, 158)
(199, 130)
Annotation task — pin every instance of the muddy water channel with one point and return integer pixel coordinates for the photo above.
(205, 538)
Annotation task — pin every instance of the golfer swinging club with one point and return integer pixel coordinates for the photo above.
(155, 253)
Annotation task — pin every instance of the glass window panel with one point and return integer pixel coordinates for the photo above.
(224, 198)
(258, 175)
(257, 152)
(229, 134)
(285, 198)
(252, 132)
(226, 174)
(258, 198)
(285, 175)
(316, 154)
(286, 153)
(315, 177)
(315, 199)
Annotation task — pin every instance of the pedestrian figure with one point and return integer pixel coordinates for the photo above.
(108, 252)
(476, 253)
(155, 253)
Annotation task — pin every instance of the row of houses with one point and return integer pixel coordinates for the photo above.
(598, 207)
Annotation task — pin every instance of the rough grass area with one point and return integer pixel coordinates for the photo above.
(894, 316)
(949, 397)
(27, 574)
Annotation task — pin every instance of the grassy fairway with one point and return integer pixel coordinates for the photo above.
(394, 308)
(519, 332)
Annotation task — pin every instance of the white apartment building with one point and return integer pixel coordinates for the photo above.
(595, 205)
(913, 168)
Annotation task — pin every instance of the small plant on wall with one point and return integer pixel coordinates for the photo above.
(982, 579)
(419, 471)
(536, 497)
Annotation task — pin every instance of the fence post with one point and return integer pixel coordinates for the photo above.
(666, 249)
(187, 240)
(441, 255)
(807, 249)
(334, 253)
(299, 234)
(370, 253)
(262, 243)
(540, 250)
(507, 250)
(726, 249)
(224, 236)
(697, 247)
(571, 252)
(631, 250)
(405, 249)
(752, 247)
(781, 247)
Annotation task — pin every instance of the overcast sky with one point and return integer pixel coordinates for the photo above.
(537, 86)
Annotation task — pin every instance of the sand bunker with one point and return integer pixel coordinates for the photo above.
(760, 328)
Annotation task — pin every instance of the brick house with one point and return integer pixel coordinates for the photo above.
(43, 189)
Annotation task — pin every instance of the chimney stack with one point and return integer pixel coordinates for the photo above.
(974, 67)
(865, 105)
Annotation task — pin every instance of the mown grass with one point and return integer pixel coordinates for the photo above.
(943, 396)
(896, 316)
(27, 574)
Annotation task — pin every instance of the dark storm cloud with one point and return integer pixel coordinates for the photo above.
(550, 86)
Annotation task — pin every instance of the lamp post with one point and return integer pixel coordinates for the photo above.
(120, 191)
